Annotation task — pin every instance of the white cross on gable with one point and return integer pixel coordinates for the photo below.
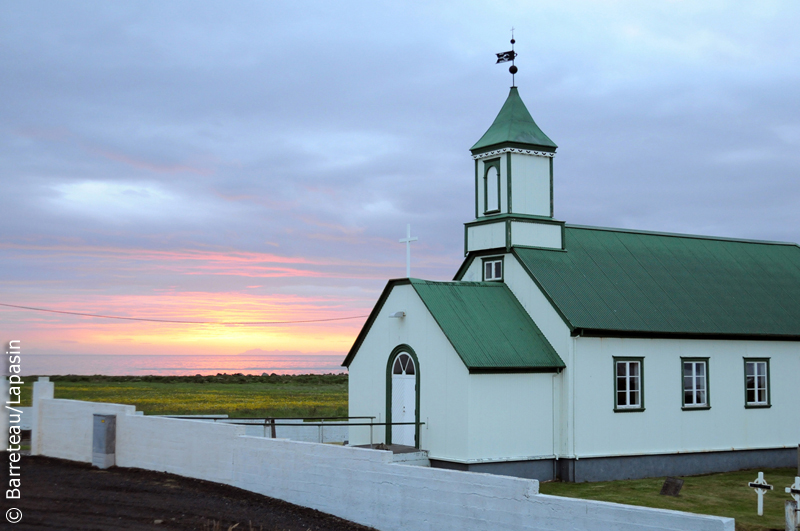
(794, 491)
(407, 240)
(761, 486)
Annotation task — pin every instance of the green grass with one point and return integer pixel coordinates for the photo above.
(235, 395)
(725, 494)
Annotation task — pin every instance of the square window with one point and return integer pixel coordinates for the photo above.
(628, 384)
(695, 383)
(493, 269)
(756, 383)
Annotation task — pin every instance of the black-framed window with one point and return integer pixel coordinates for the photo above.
(756, 382)
(628, 384)
(695, 383)
(493, 268)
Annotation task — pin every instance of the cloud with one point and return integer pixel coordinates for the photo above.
(280, 149)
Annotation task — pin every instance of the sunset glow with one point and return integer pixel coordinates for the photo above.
(259, 162)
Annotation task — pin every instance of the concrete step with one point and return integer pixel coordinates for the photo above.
(415, 458)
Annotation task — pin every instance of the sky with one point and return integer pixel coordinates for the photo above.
(258, 161)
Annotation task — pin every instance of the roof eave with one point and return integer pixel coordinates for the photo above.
(635, 334)
(515, 370)
(478, 149)
(371, 319)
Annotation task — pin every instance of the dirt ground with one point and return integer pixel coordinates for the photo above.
(60, 494)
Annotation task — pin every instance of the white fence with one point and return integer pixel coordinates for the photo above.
(360, 485)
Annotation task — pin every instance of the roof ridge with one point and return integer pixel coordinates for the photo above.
(678, 235)
(481, 283)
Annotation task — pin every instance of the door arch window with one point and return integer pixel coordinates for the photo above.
(402, 397)
(403, 364)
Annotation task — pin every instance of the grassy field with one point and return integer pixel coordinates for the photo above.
(235, 395)
(718, 494)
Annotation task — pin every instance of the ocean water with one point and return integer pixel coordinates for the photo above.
(139, 365)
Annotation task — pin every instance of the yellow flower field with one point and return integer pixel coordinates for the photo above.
(288, 397)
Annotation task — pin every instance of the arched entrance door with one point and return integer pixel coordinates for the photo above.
(404, 399)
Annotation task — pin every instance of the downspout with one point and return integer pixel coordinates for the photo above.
(572, 392)
(553, 433)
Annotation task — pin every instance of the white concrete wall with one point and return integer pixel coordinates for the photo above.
(533, 234)
(510, 417)
(530, 184)
(489, 236)
(65, 426)
(360, 485)
(192, 448)
(444, 383)
(663, 427)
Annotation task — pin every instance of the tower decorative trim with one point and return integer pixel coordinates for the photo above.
(496, 152)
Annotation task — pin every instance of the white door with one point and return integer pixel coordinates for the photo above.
(404, 399)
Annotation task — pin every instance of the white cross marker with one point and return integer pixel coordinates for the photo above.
(407, 240)
(794, 491)
(761, 487)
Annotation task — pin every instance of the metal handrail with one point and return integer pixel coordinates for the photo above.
(340, 424)
(211, 417)
(271, 422)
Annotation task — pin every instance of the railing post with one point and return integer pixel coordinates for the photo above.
(371, 424)
(272, 422)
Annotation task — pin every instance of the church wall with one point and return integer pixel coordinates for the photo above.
(511, 416)
(474, 273)
(536, 234)
(444, 384)
(663, 427)
(556, 332)
(530, 185)
(489, 236)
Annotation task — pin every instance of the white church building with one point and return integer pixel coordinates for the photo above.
(583, 353)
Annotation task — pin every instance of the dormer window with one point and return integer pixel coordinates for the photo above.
(491, 187)
(493, 269)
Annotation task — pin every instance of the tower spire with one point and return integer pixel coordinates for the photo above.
(513, 67)
(504, 57)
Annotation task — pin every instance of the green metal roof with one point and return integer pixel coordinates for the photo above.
(486, 324)
(665, 284)
(514, 125)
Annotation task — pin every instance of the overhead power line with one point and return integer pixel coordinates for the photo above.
(182, 322)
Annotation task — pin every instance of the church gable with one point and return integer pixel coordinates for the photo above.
(612, 282)
(484, 322)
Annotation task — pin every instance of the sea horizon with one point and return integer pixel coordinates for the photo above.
(177, 364)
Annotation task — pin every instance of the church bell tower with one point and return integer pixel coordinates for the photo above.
(513, 184)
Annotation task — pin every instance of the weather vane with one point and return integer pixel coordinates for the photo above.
(505, 57)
